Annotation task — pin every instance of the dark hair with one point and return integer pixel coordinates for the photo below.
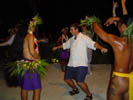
(127, 20)
(76, 26)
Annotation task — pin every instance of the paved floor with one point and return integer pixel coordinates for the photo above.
(54, 88)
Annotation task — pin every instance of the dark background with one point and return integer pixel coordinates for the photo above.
(55, 14)
(59, 14)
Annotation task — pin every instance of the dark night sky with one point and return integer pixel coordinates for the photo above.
(56, 14)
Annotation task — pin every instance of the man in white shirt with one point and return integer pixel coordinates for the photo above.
(77, 67)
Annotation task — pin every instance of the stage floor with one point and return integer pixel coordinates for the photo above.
(54, 88)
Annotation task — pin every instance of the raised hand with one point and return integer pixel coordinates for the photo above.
(109, 21)
(115, 4)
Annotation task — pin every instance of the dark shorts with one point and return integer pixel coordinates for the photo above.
(76, 73)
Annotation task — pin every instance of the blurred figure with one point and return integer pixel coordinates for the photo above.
(64, 54)
(10, 40)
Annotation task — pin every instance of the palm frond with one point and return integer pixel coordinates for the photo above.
(128, 33)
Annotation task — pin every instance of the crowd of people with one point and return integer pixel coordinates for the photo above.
(76, 54)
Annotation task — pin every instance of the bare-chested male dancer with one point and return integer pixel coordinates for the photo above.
(123, 52)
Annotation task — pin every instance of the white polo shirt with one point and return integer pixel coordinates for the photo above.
(78, 50)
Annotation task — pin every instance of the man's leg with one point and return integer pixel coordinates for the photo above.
(69, 76)
(80, 78)
(114, 94)
(24, 94)
(84, 87)
(71, 84)
(118, 88)
(36, 94)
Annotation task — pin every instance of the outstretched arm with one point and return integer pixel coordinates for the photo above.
(8, 42)
(57, 47)
(98, 46)
(42, 40)
(65, 45)
(4, 43)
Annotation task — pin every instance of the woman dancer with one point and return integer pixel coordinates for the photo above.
(64, 54)
(30, 53)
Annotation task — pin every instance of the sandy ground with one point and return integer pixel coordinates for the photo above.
(54, 88)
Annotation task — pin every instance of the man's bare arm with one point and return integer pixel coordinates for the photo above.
(109, 38)
(98, 46)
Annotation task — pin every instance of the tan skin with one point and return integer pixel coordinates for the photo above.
(70, 82)
(123, 59)
(29, 53)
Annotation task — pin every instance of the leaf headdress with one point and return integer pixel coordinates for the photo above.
(89, 23)
(36, 20)
(128, 33)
